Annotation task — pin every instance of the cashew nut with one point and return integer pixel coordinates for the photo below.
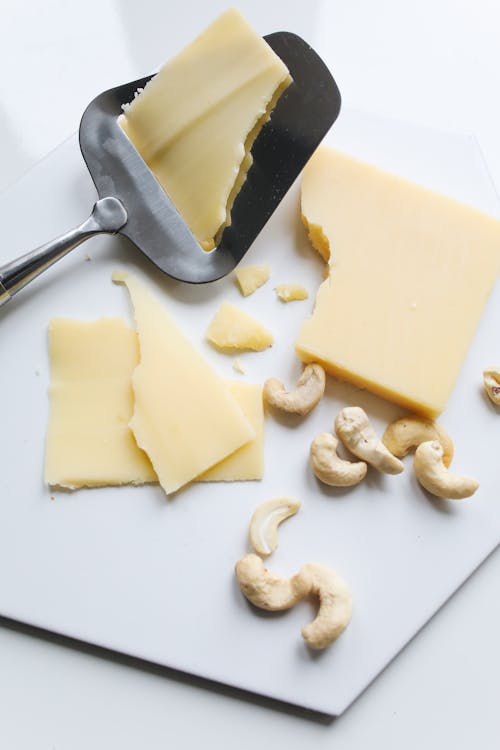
(267, 590)
(354, 429)
(406, 434)
(329, 467)
(265, 522)
(335, 606)
(307, 394)
(271, 592)
(491, 378)
(435, 477)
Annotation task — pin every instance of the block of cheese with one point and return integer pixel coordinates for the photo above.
(290, 292)
(247, 463)
(410, 273)
(250, 278)
(89, 442)
(185, 418)
(232, 328)
(195, 122)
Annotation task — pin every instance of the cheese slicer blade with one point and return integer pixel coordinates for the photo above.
(133, 204)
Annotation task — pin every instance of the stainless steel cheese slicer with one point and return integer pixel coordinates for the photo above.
(132, 203)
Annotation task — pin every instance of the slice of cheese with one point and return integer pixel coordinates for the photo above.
(232, 328)
(290, 292)
(250, 278)
(89, 442)
(410, 273)
(195, 122)
(247, 463)
(185, 418)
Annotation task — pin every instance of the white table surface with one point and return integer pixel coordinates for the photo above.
(436, 62)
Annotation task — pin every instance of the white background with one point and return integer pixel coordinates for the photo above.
(433, 62)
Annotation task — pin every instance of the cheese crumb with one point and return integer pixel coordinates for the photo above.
(238, 366)
(290, 292)
(251, 278)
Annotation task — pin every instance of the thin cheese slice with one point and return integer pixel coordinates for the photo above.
(247, 463)
(89, 442)
(184, 417)
(410, 273)
(232, 328)
(195, 122)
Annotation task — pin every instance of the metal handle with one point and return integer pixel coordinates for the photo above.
(108, 216)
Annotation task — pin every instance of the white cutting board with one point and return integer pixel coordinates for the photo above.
(127, 569)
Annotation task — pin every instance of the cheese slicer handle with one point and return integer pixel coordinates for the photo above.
(108, 217)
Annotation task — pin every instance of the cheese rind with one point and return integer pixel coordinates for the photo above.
(410, 273)
(184, 417)
(247, 463)
(195, 122)
(232, 328)
(89, 442)
(250, 278)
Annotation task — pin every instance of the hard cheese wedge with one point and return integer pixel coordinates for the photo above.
(410, 273)
(232, 328)
(89, 442)
(247, 463)
(195, 122)
(185, 418)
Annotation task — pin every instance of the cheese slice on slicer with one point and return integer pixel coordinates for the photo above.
(195, 122)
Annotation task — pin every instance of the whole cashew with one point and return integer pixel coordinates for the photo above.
(354, 429)
(329, 467)
(268, 591)
(265, 522)
(406, 434)
(491, 379)
(435, 477)
(335, 606)
(307, 394)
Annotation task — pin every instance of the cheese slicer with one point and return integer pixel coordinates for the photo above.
(133, 204)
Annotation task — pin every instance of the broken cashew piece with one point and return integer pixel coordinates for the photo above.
(329, 468)
(307, 394)
(354, 429)
(435, 477)
(268, 591)
(491, 379)
(335, 606)
(406, 434)
(265, 522)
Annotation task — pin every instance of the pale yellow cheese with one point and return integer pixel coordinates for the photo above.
(238, 366)
(89, 442)
(247, 463)
(195, 122)
(290, 292)
(410, 273)
(185, 418)
(232, 328)
(250, 278)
